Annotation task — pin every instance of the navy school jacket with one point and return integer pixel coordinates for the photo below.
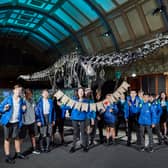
(6, 115)
(110, 117)
(122, 108)
(133, 108)
(39, 112)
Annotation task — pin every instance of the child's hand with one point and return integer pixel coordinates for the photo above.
(24, 107)
(53, 123)
(39, 124)
(7, 106)
(111, 110)
(59, 103)
(153, 126)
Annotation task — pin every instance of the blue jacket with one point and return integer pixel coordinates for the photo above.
(123, 108)
(6, 115)
(133, 107)
(79, 115)
(39, 112)
(111, 117)
(157, 111)
(146, 114)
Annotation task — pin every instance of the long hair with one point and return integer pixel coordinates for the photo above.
(160, 96)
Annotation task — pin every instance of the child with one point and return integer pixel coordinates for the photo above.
(45, 118)
(163, 119)
(122, 110)
(110, 119)
(157, 110)
(146, 122)
(91, 116)
(79, 117)
(12, 109)
(131, 116)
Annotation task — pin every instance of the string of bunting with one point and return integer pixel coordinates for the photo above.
(93, 106)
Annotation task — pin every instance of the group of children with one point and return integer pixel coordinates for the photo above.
(139, 113)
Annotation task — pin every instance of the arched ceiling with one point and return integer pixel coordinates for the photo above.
(51, 22)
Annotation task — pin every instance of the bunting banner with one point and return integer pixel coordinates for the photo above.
(100, 106)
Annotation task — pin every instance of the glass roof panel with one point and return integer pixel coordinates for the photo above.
(85, 9)
(5, 1)
(59, 27)
(67, 19)
(40, 39)
(42, 4)
(75, 13)
(107, 5)
(48, 35)
(54, 31)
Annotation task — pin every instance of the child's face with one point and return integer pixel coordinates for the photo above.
(163, 95)
(80, 93)
(122, 97)
(146, 98)
(133, 94)
(45, 94)
(151, 98)
(17, 91)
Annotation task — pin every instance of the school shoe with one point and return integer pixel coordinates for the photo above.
(64, 143)
(114, 142)
(160, 142)
(128, 143)
(47, 149)
(72, 150)
(85, 149)
(93, 142)
(150, 149)
(36, 152)
(9, 160)
(107, 142)
(19, 156)
(142, 149)
(42, 150)
(165, 137)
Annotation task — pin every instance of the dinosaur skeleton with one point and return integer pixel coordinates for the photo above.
(77, 67)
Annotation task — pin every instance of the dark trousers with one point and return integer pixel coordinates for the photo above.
(149, 132)
(83, 130)
(121, 121)
(100, 125)
(157, 132)
(133, 125)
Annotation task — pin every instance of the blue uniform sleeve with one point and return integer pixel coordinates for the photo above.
(2, 105)
(115, 108)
